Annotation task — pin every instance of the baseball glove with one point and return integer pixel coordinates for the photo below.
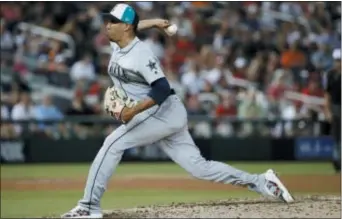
(115, 100)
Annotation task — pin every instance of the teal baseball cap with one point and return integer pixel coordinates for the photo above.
(122, 13)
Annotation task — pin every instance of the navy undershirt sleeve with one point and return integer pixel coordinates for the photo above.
(160, 90)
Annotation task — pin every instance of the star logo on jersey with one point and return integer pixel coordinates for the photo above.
(152, 66)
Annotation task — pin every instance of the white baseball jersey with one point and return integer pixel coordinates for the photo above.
(134, 68)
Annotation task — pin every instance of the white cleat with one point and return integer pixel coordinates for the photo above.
(275, 188)
(80, 212)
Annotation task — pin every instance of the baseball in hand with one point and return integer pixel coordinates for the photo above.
(171, 30)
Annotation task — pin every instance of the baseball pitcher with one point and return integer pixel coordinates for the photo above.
(151, 113)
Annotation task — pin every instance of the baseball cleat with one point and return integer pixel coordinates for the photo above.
(80, 212)
(275, 188)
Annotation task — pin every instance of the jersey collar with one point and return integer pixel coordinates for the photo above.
(130, 45)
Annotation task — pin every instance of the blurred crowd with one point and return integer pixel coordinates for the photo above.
(235, 60)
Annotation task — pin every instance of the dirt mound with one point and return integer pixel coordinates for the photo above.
(303, 207)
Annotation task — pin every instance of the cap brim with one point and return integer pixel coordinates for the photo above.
(110, 18)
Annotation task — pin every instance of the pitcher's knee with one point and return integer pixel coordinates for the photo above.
(200, 168)
(113, 146)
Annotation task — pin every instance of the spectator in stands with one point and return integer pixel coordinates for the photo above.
(250, 108)
(273, 64)
(174, 82)
(53, 58)
(83, 69)
(11, 11)
(153, 42)
(47, 111)
(16, 85)
(218, 47)
(30, 49)
(95, 16)
(313, 89)
(321, 58)
(103, 67)
(278, 86)
(10, 99)
(214, 68)
(23, 111)
(252, 20)
(192, 79)
(185, 25)
(6, 38)
(240, 65)
(225, 109)
(226, 106)
(78, 107)
(6, 129)
(195, 108)
(293, 57)
(5, 114)
(257, 68)
(221, 37)
(183, 48)
(11, 91)
(101, 41)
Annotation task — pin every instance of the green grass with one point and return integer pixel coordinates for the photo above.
(30, 204)
(44, 203)
(53, 203)
(81, 170)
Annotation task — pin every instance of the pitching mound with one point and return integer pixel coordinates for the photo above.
(303, 207)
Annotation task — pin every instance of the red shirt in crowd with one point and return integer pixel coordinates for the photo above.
(183, 49)
(277, 91)
(317, 92)
(222, 110)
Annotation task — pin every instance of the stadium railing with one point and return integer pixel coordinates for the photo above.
(48, 33)
(298, 127)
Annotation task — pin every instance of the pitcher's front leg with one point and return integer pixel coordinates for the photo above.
(102, 169)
